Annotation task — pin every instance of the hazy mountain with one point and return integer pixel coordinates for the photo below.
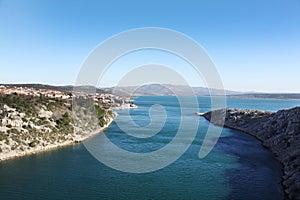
(267, 95)
(169, 90)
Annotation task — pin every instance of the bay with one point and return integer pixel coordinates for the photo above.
(237, 168)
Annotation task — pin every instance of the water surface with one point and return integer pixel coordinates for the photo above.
(238, 167)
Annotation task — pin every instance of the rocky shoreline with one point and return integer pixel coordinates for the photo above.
(77, 139)
(30, 123)
(278, 131)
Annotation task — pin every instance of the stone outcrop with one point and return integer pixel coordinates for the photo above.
(279, 132)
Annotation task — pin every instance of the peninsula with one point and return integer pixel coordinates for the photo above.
(278, 131)
(36, 118)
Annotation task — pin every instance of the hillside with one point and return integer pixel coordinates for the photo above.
(30, 123)
(66, 88)
(279, 132)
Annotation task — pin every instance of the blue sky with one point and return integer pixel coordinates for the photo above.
(254, 44)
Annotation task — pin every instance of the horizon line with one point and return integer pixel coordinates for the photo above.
(104, 87)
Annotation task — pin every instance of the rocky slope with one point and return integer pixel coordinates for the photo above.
(279, 132)
(30, 124)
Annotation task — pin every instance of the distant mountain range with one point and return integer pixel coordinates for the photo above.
(169, 90)
(165, 90)
(267, 95)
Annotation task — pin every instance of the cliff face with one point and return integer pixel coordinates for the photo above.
(279, 132)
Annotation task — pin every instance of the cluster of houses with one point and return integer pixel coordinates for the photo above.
(113, 101)
(34, 92)
(104, 99)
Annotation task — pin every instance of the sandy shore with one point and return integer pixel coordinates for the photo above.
(15, 154)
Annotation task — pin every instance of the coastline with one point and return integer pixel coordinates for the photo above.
(278, 132)
(12, 155)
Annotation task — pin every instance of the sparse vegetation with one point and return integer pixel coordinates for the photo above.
(63, 124)
(31, 121)
(3, 136)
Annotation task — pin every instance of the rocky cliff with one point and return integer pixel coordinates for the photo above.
(279, 132)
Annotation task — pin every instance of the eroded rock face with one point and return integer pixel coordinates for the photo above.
(280, 132)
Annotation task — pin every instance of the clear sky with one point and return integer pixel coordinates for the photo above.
(255, 44)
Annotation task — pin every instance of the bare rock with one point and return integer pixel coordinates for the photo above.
(280, 132)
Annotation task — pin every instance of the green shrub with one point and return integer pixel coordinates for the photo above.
(3, 136)
(13, 130)
(14, 147)
(64, 124)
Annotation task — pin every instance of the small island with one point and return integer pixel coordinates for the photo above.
(278, 131)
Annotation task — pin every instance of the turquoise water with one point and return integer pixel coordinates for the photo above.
(237, 168)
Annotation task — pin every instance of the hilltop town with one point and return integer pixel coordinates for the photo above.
(105, 100)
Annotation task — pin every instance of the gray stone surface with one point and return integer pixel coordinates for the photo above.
(279, 132)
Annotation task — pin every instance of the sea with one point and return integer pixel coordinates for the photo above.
(237, 168)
